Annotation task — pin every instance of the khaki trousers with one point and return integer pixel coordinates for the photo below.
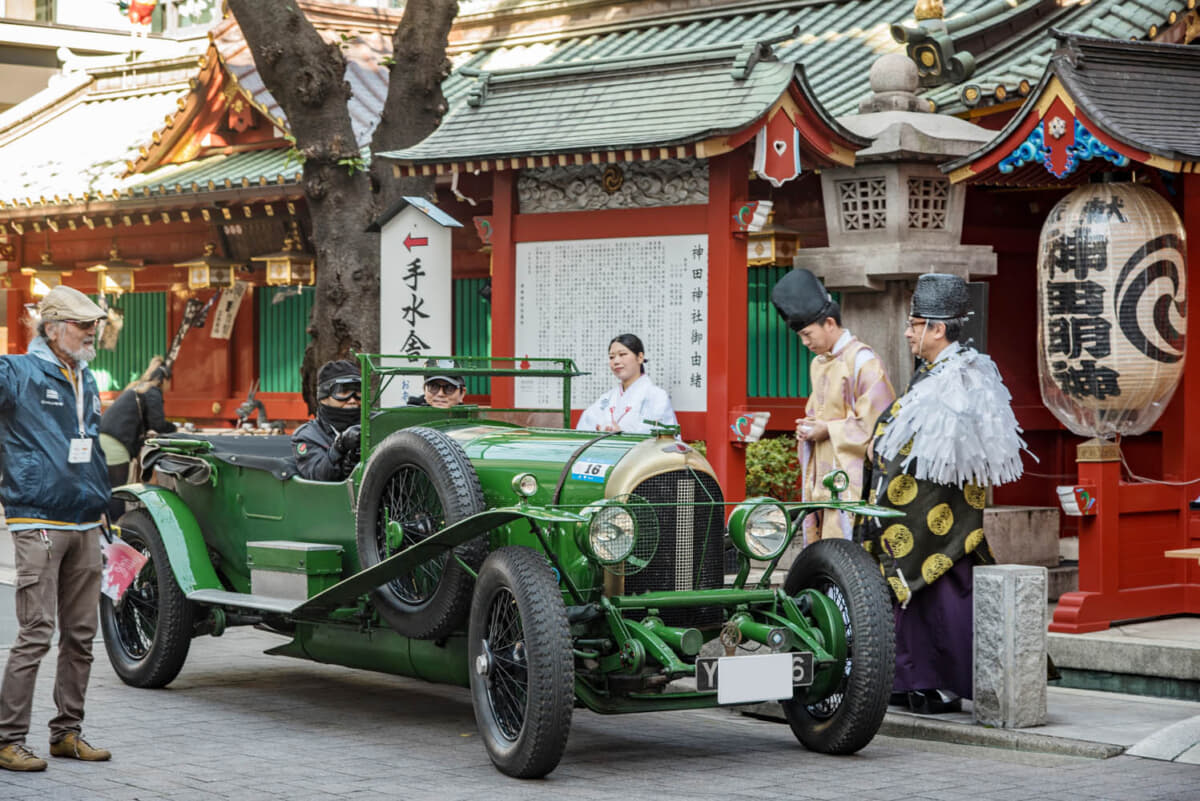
(57, 571)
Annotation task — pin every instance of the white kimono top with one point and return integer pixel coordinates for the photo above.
(626, 409)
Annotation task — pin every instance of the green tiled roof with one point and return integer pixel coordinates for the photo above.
(79, 146)
(251, 168)
(659, 100)
(840, 40)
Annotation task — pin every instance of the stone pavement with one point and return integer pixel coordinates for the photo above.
(238, 724)
(1081, 723)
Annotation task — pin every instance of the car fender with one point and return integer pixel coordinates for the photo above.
(449, 537)
(180, 533)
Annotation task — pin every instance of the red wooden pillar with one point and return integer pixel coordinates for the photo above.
(728, 184)
(1078, 612)
(504, 281)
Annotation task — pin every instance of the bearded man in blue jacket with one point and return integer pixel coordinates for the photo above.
(54, 486)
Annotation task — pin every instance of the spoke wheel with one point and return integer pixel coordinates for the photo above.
(848, 717)
(148, 634)
(417, 482)
(522, 673)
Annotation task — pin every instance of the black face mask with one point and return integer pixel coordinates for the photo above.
(340, 417)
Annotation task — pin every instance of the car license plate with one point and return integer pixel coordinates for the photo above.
(759, 677)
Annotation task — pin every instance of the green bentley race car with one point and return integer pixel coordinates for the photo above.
(544, 568)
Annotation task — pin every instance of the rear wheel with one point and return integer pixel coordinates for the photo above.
(522, 669)
(147, 634)
(417, 482)
(846, 719)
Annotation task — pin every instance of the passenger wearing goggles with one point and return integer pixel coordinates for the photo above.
(327, 448)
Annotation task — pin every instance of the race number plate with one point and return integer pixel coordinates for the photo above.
(761, 677)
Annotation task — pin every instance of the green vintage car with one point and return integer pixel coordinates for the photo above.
(543, 568)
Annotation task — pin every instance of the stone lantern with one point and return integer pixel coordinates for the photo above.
(895, 215)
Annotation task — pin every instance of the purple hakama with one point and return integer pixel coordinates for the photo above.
(934, 635)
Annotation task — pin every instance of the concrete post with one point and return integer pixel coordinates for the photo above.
(1010, 646)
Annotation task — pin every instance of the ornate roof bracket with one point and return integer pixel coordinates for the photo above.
(1064, 150)
(479, 90)
(944, 50)
(759, 50)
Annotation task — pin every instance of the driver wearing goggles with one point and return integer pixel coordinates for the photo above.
(327, 448)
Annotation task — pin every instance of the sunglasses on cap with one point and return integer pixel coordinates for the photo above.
(441, 388)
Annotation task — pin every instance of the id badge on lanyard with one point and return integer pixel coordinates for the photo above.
(81, 446)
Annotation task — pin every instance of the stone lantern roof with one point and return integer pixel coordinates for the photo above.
(895, 215)
(902, 125)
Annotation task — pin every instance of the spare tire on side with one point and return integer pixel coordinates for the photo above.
(417, 482)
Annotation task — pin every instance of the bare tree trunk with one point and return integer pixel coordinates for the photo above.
(415, 103)
(307, 77)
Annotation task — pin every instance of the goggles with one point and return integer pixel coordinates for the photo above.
(342, 389)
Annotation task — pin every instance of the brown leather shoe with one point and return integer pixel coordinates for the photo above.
(73, 746)
(15, 756)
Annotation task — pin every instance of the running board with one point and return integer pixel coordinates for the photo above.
(349, 590)
(244, 600)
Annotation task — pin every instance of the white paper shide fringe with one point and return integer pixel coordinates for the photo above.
(960, 421)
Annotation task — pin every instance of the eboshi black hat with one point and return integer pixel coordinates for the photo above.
(940, 296)
(801, 299)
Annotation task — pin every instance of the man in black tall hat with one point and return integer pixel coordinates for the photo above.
(849, 389)
(935, 452)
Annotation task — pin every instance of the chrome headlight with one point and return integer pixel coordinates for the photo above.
(612, 533)
(525, 485)
(836, 482)
(760, 528)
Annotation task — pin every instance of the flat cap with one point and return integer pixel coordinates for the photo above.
(65, 303)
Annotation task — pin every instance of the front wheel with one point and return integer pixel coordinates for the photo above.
(522, 669)
(147, 635)
(845, 720)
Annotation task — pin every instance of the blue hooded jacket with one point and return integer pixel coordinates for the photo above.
(38, 420)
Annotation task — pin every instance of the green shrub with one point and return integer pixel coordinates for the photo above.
(773, 469)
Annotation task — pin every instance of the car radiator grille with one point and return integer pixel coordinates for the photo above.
(691, 531)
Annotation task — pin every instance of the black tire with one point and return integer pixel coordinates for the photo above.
(848, 719)
(522, 668)
(147, 635)
(421, 479)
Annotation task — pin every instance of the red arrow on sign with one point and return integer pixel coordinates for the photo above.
(419, 241)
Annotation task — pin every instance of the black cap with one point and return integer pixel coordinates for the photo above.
(801, 300)
(444, 368)
(341, 371)
(940, 296)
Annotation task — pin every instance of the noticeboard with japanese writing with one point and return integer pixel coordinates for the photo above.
(573, 297)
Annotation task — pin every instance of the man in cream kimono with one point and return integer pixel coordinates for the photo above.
(849, 389)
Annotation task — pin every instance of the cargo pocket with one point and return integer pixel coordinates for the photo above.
(25, 600)
(32, 559)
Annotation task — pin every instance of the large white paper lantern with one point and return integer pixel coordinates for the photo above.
(1112, 309)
